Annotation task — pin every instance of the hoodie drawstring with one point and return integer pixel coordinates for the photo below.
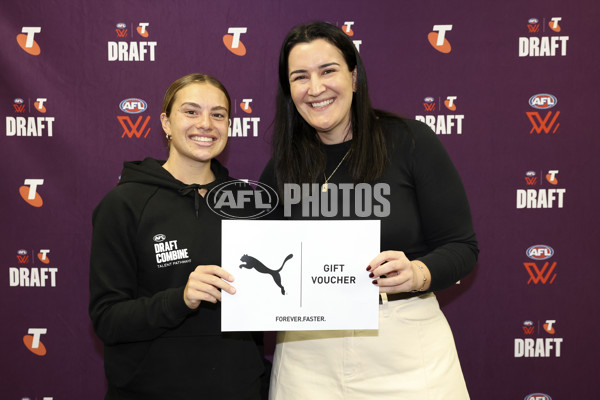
(184, 191)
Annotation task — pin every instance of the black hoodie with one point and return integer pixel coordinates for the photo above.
(149, 233)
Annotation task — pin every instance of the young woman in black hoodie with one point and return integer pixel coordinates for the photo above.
(155, 275)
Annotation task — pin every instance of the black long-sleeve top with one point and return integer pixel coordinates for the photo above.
(429, 216)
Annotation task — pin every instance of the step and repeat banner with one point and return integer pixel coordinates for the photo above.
(509, 87)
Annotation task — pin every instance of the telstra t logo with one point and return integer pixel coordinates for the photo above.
(29, 192)
(33, 343)
(26, 40)
(553, 24)
(347, 28)
(438, 40)
(449, 103)
(245, 106)
(233, 43)
(551, 176)
(141, 29)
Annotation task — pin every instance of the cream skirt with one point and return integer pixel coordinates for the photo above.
(411, 356)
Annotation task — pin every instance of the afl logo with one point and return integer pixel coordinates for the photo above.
(242, 199)
(540, 252)
(528, 323)
(121, 25)
(133, 106)
(533, 21)
(19, 100)
(530, 174)
(429, 100)
(22, 252)
(538, 396)
(159, 238)
(542, 101)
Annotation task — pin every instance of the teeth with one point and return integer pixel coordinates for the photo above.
(202, 139)
(322, 104)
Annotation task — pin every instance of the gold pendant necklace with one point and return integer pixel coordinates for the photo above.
(325, 185)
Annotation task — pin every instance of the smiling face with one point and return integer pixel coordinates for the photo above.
(322, 87)
(198, 124)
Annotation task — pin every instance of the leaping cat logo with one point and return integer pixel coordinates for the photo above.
(251, 262)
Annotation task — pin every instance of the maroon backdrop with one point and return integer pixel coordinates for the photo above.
(510, 90)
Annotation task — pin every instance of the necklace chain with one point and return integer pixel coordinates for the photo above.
(325, 185)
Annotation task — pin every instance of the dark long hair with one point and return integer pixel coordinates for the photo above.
(297, 152)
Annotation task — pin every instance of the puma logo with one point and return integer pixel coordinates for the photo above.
(251, 262)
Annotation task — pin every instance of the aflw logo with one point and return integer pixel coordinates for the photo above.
(530, 178)
(22, 256)
(19, 105)
(549, 122)
(27, 42)
(121, 30)
(545, 274)
(232, 41)
(137, 128)
(438, 40)
(542, 275)
(533, 25)
(528, 327)
(429, 104)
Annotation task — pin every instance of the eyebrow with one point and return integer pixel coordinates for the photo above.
(196, 105)
(300, 71)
